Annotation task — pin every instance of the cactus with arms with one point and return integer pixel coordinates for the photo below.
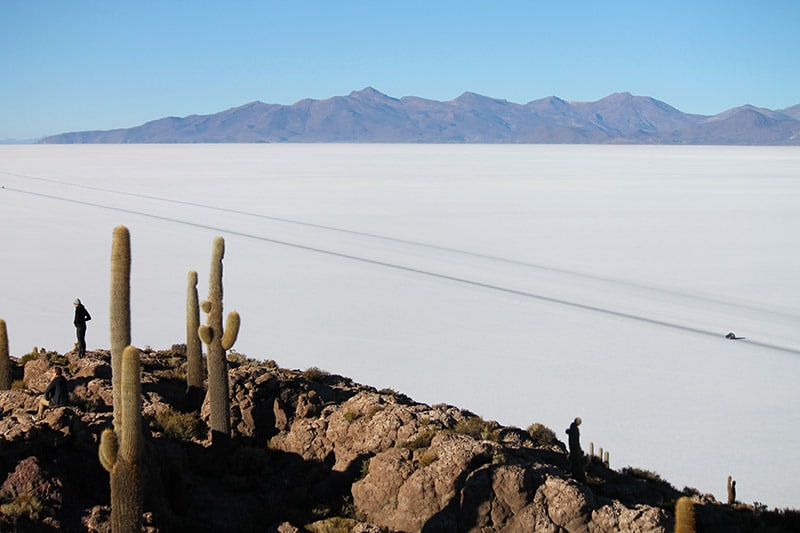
(120, 451)
(218, 342)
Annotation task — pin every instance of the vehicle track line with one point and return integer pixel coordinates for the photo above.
(448, 249)
(404, 268)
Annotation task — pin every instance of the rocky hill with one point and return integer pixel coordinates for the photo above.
(369, 116)
(312, 451)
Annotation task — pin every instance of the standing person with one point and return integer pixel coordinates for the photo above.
(81, 317)
(577, 460)
(55, 394)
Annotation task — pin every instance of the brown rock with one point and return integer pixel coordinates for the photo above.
(91, 368)
(338, 453)
(36, 374)
(401, 495)
(98, 391)
(33, 483)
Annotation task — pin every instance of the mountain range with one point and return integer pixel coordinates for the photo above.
(369, 116)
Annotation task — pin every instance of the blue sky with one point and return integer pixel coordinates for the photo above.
(81, 65)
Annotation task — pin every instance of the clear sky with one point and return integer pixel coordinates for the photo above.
(85, 64)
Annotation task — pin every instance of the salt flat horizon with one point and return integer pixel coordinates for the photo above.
(526, 283)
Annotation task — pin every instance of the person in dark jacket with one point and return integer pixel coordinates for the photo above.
(55, 394)
(81, 317)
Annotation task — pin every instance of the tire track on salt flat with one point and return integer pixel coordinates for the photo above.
(430, 246)
(404, 268)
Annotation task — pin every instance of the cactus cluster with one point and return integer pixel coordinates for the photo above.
(218, 340)
(602, 456)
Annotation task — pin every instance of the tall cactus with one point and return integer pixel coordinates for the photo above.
(120, 450)
(218, 341)
(5, 359)
(120, 308)
(194, 351)
(684, 515)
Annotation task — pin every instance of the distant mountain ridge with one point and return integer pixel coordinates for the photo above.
(369, 116)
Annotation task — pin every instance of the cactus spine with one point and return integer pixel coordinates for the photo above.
(120, 308)
(194, 351)
(218, 342)
(5, 359)
(684, 515)
(120, 451)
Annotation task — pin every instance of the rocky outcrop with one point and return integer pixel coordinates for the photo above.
(310, 452)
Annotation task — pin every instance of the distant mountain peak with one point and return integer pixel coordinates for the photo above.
(368, 115)
(469, 97)
(370, 93)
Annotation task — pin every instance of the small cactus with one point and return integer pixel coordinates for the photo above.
(120, 307)
(5, 359)
(194, 351)
(684, 515)
(120, 451)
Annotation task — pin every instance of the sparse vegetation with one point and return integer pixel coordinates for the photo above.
(239, 359)
(336, 524)
(646, 475)
(184, 427)
(314, 373)
(690, 491)
(542, 435)
(399, 397)
(478, 428)
(498, 456)
(427, 459)
(364, 469)
(422, 440)
(41, 353)
(350, 416)
(23, 505)
(28, 357)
